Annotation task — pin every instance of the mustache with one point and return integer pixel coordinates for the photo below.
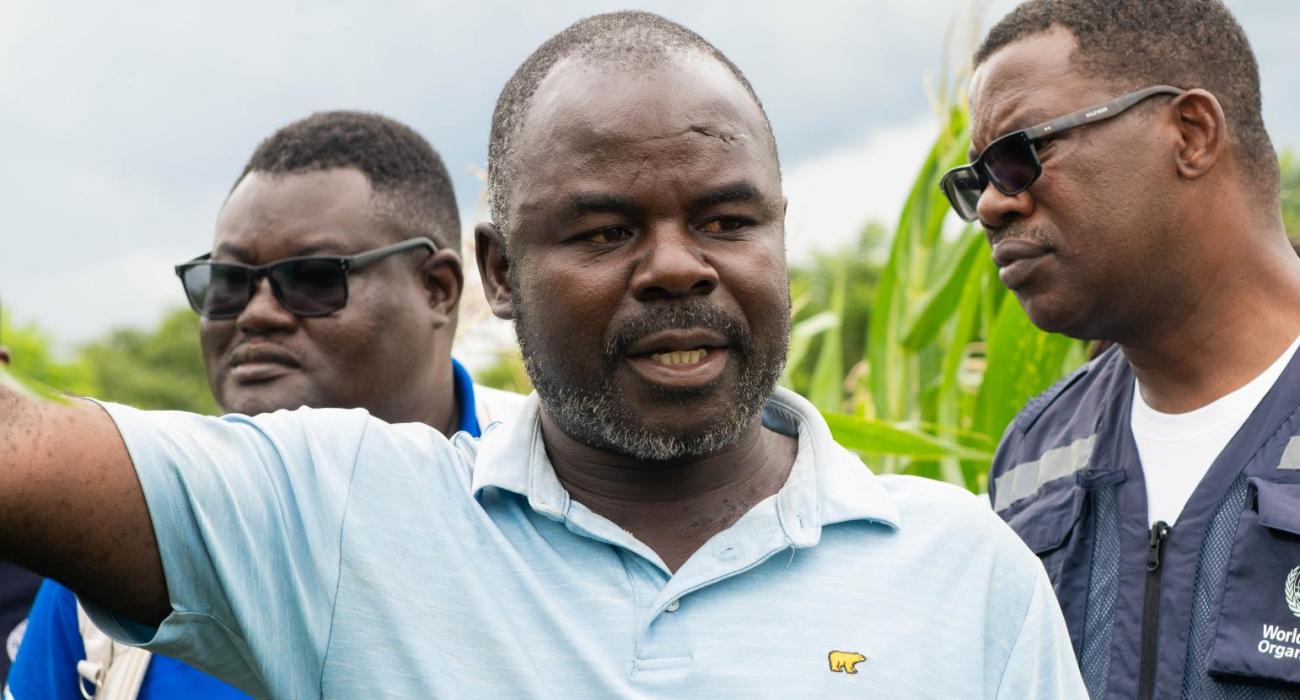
(1019, 230)
(696, 313)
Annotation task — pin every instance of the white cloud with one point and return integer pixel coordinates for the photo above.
(833, 195)
(83, 299)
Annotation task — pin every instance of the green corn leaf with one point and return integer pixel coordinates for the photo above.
(1023, 361)
(876, 437)
(802, 335)
(826, 390)
(946, 293)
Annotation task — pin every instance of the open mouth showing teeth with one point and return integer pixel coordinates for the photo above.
(679, 357)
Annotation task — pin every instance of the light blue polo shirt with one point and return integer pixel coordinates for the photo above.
(323, 553)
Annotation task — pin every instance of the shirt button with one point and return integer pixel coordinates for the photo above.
(672, 607)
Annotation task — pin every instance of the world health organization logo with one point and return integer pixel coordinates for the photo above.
(1293, 591)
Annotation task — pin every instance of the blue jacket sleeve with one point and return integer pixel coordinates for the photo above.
(46, 666)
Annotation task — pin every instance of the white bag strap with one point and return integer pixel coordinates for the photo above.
(113, 671)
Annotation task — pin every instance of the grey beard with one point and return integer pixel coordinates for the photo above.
(598, 419)
(597, 416)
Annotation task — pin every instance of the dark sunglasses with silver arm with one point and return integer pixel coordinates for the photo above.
(1011, 162)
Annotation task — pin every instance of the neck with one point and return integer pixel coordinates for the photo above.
(435, 405)
(674, 507)
(444, 414)
(1245, 313)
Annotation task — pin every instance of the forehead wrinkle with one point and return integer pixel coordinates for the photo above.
(992, 109)
(251, 236)
(599, 141)
(307, 245)
(634, 162)
(564, 105)
(579, 130)
(1027, 72)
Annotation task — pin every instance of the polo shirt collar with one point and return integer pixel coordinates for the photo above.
(828, 481)
(513, 458)
(828, 484)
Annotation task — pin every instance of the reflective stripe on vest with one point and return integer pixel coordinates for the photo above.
(1024, 479)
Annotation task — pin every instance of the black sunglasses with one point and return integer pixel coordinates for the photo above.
(1011, 162)
(315, 285)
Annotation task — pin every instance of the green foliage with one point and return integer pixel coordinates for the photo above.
(507, 374)
(34, 362)
(833, 294)
(949, 356)
(1290, 166)
(880, 438)
(160, 368)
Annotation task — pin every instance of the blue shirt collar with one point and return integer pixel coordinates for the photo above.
(828, 484)
(465, 404)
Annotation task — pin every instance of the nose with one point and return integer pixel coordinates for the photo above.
(672, 267)
(264, 314)
(996, 210)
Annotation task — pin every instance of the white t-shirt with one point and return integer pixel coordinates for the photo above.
(1177, 449)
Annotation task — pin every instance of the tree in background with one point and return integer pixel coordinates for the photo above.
(1290, 166)
(31, 350)
(507, 374)
(160, 368)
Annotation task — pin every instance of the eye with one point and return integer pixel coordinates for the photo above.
(611, 234)
(723, 225)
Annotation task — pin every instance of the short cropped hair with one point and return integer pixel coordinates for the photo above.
(1136, 43)
(630, 41)
(413, 194)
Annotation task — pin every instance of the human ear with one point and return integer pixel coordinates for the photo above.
(1202, 130)
(494, 268)
(443, 280)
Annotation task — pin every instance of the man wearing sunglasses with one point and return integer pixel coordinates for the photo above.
(333, 282)
(1130, 193)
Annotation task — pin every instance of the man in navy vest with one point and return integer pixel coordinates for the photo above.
(335, 183)
(1129, 191)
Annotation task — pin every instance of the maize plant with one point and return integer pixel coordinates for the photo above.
(949, 356)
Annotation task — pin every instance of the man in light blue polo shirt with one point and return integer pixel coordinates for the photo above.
(331, 183)
(658, 522)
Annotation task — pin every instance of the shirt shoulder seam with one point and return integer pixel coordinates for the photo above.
(1024, 617)
(338, 573)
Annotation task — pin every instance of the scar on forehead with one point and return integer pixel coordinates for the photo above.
(727, 138)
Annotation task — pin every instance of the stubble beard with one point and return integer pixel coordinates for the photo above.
(594, 410)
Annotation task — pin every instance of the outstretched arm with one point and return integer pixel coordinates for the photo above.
(71, 507)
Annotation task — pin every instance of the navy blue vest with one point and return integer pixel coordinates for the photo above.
(1208, 608)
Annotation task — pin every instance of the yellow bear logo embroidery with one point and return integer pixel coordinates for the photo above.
(845, 661)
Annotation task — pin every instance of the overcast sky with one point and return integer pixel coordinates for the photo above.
(124, 124)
